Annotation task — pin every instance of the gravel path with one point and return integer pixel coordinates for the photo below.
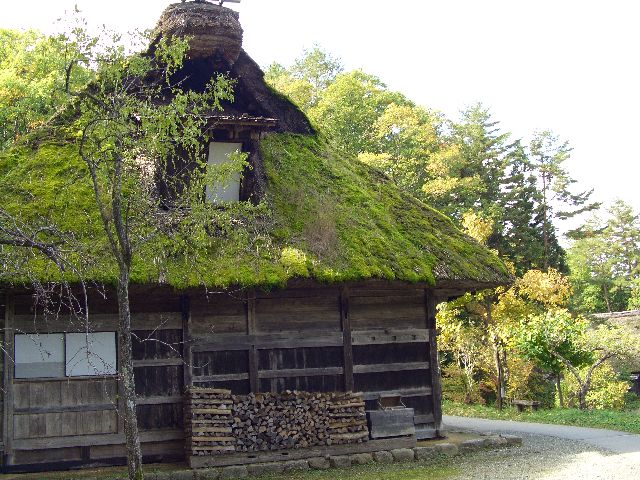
(550, 458)
(610, 440)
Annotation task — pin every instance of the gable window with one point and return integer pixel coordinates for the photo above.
(58, 355)
(229, 189)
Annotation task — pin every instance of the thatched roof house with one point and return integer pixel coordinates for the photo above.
(340, 295)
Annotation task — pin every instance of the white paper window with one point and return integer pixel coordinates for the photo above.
(229, 190)
(39, 355)
(90, 354)
(59, 355)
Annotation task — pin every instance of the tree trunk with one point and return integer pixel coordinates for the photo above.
(545, 226)
(559, 387)
(127, 384)
(605, 292)
(582, 397)
(500, 374)
(500, 385)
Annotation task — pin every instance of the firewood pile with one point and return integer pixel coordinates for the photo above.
(209, 421)
(266, 421)
(221, 423)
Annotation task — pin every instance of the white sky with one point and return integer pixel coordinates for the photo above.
(571, 66)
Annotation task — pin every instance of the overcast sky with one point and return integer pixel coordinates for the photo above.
(571, 66)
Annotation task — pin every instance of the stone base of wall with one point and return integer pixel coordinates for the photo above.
(422, 453)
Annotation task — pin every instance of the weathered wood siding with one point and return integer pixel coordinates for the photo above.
(76, 417)
(373, 337)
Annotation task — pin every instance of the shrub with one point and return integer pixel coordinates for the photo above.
(606, 392)
(527, 382)
(455, 387)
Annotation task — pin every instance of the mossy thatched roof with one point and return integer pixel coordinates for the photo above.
(323, 216)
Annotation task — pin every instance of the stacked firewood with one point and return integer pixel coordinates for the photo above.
(266, 421)
(347, 418)
(219, 423)
(208, 421)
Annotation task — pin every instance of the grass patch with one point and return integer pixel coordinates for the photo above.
(376, 471)
(626, 420)
(397, 471)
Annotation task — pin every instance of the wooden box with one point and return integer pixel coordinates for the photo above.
(395, 422)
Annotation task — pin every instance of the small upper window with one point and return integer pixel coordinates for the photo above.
(58, 355)
(229, 189)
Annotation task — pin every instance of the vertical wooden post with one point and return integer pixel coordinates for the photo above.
(434, 362)
(254, 382)
(7, 411)
(187, 354)
(347, 346)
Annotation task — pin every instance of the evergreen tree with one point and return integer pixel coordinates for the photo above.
(547, 155)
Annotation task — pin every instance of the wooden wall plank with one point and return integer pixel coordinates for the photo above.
(305, 314)
(390, 367)
(254, 382)
(347, 349)
(217, 314)
(387, 310)
(436, 385)
(31, 323)
(187, 354)
(393, 335)
(94, 440)
(266, 341)
(300, 372)
(7, 404)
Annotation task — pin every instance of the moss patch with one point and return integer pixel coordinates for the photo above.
(324, 217)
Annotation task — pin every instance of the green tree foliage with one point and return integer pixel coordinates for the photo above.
(33, 78)
(546, 337)
(520, 237)
(307, 78)
(348, 109)
(557, 339)
(605, 261)
(547, 155)
(607, 391)
(405, 138)
(470, 175)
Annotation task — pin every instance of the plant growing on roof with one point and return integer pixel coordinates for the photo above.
(133, 120)
(128, 126)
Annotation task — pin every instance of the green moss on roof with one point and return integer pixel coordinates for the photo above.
(323, 216)
(356, 224)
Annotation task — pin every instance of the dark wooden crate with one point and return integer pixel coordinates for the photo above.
(395, 422)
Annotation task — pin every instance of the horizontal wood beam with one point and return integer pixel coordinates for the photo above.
(404, 392)
(103, 378)
(266, 341)
(223, 377)
(94, 440)
(159, 400)
(66, 408)
(390, 367)
(300, 372)
(376, 337)
(69, 323)
(158, 362)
